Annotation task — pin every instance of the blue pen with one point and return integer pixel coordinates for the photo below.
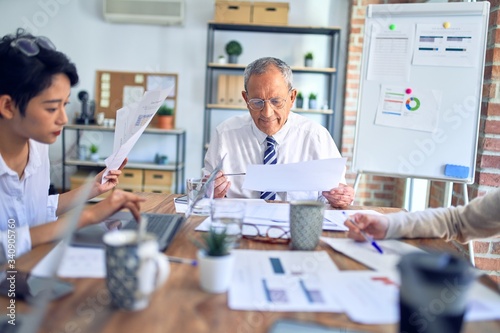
(368, 238)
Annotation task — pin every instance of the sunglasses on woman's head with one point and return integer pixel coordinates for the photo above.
(30, 46)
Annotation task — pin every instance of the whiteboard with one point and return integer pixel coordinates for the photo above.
(420, 90)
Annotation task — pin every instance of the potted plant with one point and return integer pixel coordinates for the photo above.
(233, 50)
(313, 103)
(165, 117)
(222, 59)
(161, 159)
(299, 100)
(94, 156)
(308, 59)
(215, 260)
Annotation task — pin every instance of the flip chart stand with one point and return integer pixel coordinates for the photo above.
(448, 197)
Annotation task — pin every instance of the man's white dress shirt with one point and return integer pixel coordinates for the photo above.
(299, 140)
(25, 202)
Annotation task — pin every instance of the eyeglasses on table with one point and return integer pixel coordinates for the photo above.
(273, 234)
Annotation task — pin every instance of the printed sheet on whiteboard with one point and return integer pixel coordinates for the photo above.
(416, 109)
(455, 46)
(390, 53)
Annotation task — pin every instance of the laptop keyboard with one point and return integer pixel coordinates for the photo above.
(164, 226)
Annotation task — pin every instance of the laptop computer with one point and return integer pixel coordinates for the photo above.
(164, 226)
(49, 287)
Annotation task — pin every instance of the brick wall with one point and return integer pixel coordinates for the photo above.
(384, 191)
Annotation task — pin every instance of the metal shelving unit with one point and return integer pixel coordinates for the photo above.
(213, 69)
(178, 167)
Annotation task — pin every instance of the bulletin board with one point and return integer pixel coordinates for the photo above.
(420, 90)
(116, 89)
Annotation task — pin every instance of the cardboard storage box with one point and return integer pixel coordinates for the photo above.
(233, 11)
(130, 188)
(78, 179)
(158, 189)
(274, 13)
(131, 178)
(157, 178)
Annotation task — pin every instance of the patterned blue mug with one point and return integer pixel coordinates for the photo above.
(134, 269)
(306, 224)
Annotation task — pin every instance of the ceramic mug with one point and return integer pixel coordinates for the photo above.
(134, 269)
(306, 224)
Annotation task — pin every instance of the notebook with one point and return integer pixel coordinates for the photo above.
(164, 226)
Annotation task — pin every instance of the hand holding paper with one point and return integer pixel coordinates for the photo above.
(131, 121)
(339, 197)
(316, 175)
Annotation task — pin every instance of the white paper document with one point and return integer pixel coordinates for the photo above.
(264, 214)
(415, 109)
(456, 46)
(373, 298)
(484, 304)
(131, 121)
(390, 53)
(366, 254)
(283, 281)
(316, 175)
(368, 297)
(76, 262)
(180, 207)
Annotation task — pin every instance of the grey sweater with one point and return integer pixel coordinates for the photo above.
(479, 219)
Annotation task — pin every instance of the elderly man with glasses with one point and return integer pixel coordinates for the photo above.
(270, 134)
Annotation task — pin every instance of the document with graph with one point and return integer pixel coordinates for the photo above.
(283, 281)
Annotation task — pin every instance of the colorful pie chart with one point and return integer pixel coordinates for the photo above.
(412, 103)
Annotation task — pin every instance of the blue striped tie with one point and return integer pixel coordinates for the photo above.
(269, 158)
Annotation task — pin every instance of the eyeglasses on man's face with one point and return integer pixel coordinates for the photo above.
(31, 46)
(272, 234)
(257, 104)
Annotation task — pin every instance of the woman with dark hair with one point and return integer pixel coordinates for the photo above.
(35, 85)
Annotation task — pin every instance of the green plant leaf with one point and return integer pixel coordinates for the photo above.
(214, 242)
(234, 48)
(165, 111)
(93, 148)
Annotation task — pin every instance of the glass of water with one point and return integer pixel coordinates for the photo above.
(228, 214)
(199, 203)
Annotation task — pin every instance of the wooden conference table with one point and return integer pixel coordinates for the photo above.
(180, 305)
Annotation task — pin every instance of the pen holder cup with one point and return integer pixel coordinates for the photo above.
(134, 269)
(306, 224)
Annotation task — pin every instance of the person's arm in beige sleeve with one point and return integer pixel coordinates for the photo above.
(479, 219)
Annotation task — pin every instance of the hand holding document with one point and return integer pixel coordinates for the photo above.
(316, 175)
(131, 121)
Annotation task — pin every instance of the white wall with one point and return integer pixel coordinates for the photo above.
(77, 28)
